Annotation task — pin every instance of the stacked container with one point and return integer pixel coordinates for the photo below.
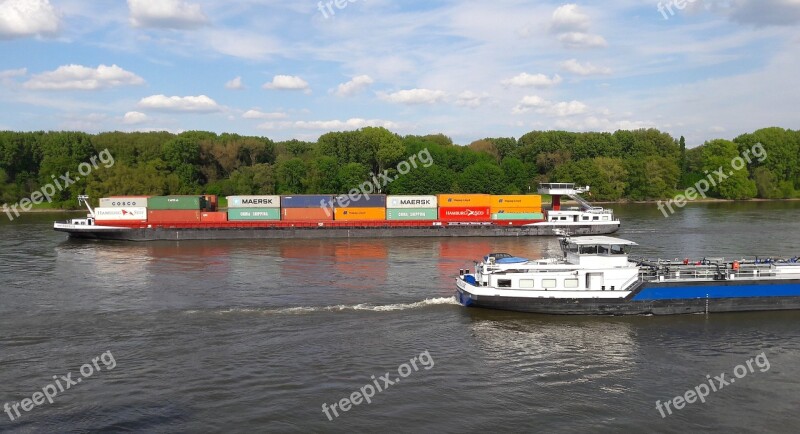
(307, 207)
(517, 207)
(411, 208)
(176, 209)
(360, 207)
(464, 207)
(243, 208)
(121, 210)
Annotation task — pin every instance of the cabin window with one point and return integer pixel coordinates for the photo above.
(526, 283)
(603, 250)
(617, 250)
(596, 218)
(586, 217)
(588, 250)
(504, 283)
(570, 283)
(548, 283)
(605, 217)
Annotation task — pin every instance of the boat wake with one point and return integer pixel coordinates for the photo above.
(299, 310)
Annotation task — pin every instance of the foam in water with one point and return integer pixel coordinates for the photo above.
(340, 307)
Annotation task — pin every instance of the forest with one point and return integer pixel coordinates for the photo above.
(641, 164)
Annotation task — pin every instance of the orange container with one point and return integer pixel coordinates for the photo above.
(528, 201)
(514, 210)
(307, 214)
(352, 213)
(173, 216)
(212, 217)
(462, 200)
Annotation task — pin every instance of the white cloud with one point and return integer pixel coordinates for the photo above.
(536, 80)
(10, 73)
(569, 18)
(19, 18)
(357, 84)
(582, 40)
(543, 106)
(241, 43)
(199, 103)
(414, 96)
(235, 84)
(287, 82)
(469, 99)
(256, 114)
(331, 125)
(132, 118)
(171, 14)
(78, 77)
(575, 67)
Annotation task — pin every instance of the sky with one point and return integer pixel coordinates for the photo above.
(703, 69)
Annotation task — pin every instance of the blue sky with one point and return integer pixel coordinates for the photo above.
(468, 69)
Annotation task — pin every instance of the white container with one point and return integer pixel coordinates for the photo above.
(411, 202)
(124, 213)
(116, 202)
(254, 201)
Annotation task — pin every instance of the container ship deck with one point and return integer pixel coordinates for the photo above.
(170, 218)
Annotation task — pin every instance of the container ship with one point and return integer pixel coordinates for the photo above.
(596, 276)
(198, 217)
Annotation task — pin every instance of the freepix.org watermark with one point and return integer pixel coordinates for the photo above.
(669, 4)
(718, 176)
(375, 184)
(61, 384)
(326, 7)
(715, 384)
(59, 184)
(383, 382)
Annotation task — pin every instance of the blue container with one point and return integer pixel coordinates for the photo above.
(306, 201)
(374, 201)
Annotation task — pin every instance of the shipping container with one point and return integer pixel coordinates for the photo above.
(425, 202)
(194, 203)
(213, 217)
(211, 202)
(306, 201)
(412, 214)
(306, 214)
(517, 201)
(352, 213)
(455, 214)
(254, 201)
(518, 216)
(173, 216)
(361, 201)
(116, 202)
(121, 214)
(254, 214)
(464, 200)
(514, 210)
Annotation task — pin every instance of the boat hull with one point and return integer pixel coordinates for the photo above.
(234, 233)
(656, 299)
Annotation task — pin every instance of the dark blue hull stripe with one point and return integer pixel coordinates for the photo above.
(718, 291)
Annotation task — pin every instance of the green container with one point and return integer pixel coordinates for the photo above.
(239, 214)
(518, 216)
(412, 214)
(194, 203)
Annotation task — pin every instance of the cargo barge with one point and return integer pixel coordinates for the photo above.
(596, 276)
(319, 216)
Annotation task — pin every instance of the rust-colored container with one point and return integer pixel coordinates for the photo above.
(173, 216)
(213, 217)
(352, 213)
(465, 214)
(307, 214)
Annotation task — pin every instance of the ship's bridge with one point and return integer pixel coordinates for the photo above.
(561, 188)
(597, 251)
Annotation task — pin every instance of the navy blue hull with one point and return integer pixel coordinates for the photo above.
(659, 299)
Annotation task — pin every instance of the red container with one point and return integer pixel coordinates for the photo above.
(173, 216)
(307, 214)
(465, 214)
(122, 223)
(213, 217)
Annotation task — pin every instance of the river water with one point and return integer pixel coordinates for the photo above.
(255, 336)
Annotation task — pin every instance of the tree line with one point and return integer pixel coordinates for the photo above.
(641, 164)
